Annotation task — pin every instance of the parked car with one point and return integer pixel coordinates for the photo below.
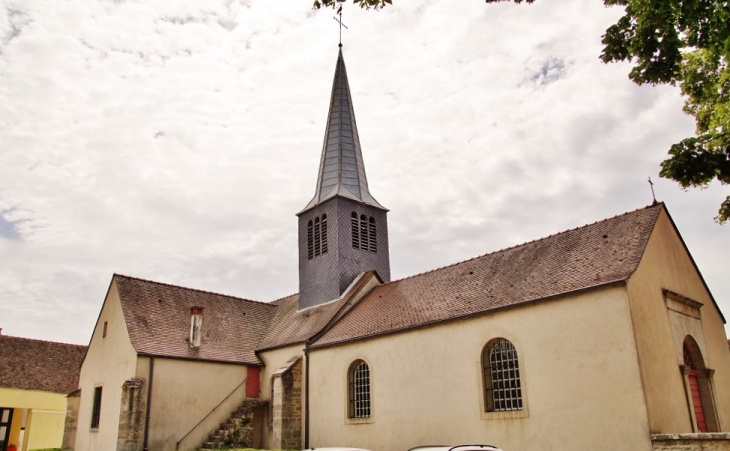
(456, 448)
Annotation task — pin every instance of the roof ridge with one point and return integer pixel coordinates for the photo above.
(658, 204)
(192, 289)
(281, 298)
(43, 341)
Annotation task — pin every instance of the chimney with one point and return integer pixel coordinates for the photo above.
(196, 324)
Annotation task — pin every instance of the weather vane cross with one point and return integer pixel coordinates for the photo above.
(652, 191)
(339, 20)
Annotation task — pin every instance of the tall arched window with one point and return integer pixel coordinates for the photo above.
(310, 240)
(359, 390)
(501, 374)
(355, 228)
(373, 239)
(317, 237)
(364, 238)
(699, 387)
(324, 234)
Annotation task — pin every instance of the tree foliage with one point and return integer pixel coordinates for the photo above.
(676, 42)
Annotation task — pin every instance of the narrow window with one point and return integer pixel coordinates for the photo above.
(364, 232)
(373, 240)
(310, 240)
(317, 238)
(355, 231)
(359, 398)
(324, 234)
(501, 373)
(96, 410)
(103, 334)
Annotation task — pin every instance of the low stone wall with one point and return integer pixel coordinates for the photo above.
(72, 416)
(713, 441)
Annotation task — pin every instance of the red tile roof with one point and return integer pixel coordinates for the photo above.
(589, 256)
(158, 321)
(28, 364)
(291, 325)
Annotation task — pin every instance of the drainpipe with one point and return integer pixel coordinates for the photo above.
(149, 401)
(306, 398)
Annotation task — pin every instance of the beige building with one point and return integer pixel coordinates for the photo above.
(602, 337)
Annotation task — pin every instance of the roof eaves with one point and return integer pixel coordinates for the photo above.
(616, 282)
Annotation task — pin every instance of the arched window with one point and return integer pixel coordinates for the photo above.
(355, 231)
(317, 237)
(373, 240)
(501, 374)
(324, 234)
(359, 391)
(699, 387)
(364, 241)
(310, 240)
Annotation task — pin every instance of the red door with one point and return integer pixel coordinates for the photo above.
(694, 388)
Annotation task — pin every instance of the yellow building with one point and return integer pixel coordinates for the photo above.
(602, 337)
(35, 377)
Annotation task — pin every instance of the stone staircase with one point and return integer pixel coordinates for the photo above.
(238, 430)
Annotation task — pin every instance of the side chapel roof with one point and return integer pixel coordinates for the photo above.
(341, 169)
(158, 320)
(48, 366)
(593, 255)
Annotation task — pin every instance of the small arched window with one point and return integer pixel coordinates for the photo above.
(310, 240)
(359, 390)
(501, 374)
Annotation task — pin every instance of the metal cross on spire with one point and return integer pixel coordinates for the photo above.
(339, 12)
(651, 184)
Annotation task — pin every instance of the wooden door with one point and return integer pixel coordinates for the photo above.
(694, 387)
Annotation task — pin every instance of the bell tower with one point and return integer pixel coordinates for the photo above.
(343, 230)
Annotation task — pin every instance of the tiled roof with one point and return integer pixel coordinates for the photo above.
(291, 325)
(39, 365)
(589, 256)
(158, 320)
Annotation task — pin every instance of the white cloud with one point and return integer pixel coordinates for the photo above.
(175, 141)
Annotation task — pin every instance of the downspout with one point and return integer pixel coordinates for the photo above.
(306, 398)
(149, 401)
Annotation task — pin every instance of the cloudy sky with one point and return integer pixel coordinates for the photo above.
(175, 141)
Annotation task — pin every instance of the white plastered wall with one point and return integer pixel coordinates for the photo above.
(109, 362)
(580, 378)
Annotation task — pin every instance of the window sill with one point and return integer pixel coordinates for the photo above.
(94, 430)
(506, 415)
(367, 420)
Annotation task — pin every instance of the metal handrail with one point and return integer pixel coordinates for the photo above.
(177, 445)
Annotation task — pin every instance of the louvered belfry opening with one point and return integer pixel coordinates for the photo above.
(343, 229)
(317, 237)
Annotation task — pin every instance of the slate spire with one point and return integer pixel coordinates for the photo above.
(341, 169)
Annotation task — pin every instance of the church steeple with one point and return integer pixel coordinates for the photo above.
(343, 230)
(341, 169)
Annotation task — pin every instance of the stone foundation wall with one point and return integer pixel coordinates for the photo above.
(72, 419)
(291, 421)
(716, 441)
(132, 415)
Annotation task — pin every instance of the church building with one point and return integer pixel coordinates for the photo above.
(601, 337)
